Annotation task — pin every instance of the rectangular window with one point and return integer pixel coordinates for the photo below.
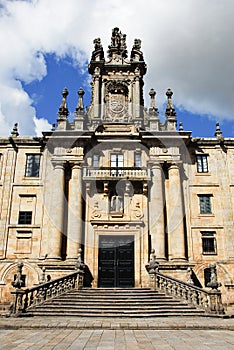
(208, 243)
(137, 159)
(25, 218)
(205, 204)
(96, 158)
(32, 165)
(202, 163)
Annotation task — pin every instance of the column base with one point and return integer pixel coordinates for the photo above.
(160, 259)
(53, 258)
(179, 260)
(68, 259)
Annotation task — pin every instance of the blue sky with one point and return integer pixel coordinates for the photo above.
(46, 46)
(46, 95)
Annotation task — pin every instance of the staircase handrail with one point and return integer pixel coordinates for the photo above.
(27, 298)
(209, 301)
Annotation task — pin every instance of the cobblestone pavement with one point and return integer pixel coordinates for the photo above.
(172, 333)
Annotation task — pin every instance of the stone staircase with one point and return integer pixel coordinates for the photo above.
(114, 302)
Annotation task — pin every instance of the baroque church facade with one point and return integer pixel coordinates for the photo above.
(117, 183)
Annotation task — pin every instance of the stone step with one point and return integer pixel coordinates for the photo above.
(112, 298)
(116, 302)
(113, 309)
(159, 313)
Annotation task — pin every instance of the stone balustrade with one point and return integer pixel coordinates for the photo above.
(24, 299)
(209, 301)
(116, 172)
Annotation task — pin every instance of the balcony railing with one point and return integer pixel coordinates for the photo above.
(116, 172)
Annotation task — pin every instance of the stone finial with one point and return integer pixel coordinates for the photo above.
(170, 110)
(63, 110)
(218, 132)
(181, 128)
(153, 110)
(15, 132)
(170, 113)
(80, 105)
(118, 44)
(18, 282)
(53, 127)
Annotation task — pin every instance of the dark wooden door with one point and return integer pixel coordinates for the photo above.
(116, 261)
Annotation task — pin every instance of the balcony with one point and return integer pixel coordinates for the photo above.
(107, 173)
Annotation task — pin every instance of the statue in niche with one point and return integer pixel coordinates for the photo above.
(117, 204)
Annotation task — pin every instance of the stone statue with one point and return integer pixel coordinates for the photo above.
(118, 44)
(98, 53)
(97, 44)
(214, 284)
(117, 203)
(189, 275)
(136, 53)
(153, 264)
(18, 282)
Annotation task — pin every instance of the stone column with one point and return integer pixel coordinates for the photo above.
(74, 228)
(57, 212)
(96, 101)
(156, 213)
(175, 215)
(137, 98)
(102, 100)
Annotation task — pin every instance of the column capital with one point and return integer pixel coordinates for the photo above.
(75, 164)
(155, 164)
(58, 164)
(174, 165)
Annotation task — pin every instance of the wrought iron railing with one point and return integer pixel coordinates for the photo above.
(27, 298)
(209, 301)
(116, 172)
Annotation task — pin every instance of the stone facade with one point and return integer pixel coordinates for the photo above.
(117, 182)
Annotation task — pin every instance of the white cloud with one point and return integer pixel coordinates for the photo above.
(187, 46)
(41, 124)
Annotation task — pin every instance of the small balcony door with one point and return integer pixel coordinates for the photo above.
(117, 161)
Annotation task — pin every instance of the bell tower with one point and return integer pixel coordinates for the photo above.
(117, 83)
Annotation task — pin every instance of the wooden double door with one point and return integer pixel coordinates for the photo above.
(116, 261)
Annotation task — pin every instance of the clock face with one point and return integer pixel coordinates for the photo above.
(116, 106)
